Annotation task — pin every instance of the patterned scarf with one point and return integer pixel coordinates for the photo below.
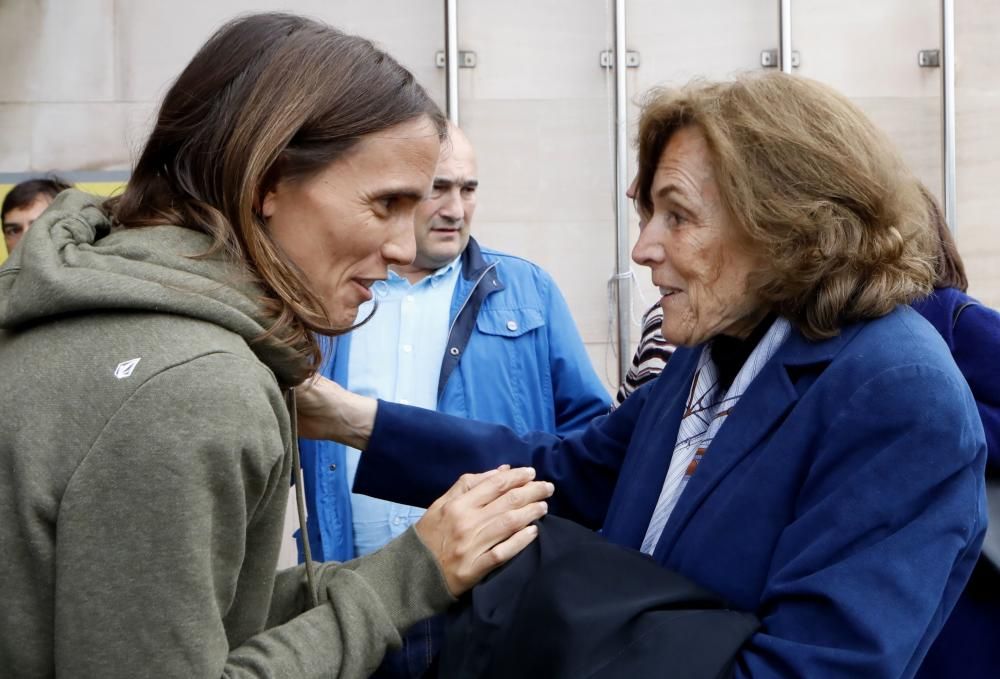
(706, 410)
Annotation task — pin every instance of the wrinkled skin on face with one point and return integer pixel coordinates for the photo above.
(345, 225)
(693, 248)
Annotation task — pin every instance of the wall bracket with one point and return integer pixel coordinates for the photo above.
(769, 58)
(608, 59)
(466, 59)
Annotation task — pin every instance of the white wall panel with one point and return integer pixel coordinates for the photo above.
(57, 50)
(65, 136)
(156, 39)
(534, 50)
(977, 60)
(16, 136)
(679, 40)
(979, 188)
(977, 84)
(537, 107)
(868, 49)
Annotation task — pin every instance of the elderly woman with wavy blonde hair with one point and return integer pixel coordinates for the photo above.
(811, 452)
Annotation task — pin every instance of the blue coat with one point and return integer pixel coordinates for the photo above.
(514, 357)
(974, 342)
(967, 646)
(842, 501)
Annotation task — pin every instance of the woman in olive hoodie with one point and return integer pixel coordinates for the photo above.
(148, 350)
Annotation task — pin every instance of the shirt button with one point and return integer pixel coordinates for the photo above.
(404, 402)
(409, 298)
(512, 325)
(397, 521)
(453, 351)
(333, 467)
(407, 348)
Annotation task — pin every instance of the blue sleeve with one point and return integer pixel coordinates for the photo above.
(975, 347)
(887, 526)
(415, 455)
(577, 392)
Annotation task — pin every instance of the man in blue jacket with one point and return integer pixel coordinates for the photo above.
(468, 331)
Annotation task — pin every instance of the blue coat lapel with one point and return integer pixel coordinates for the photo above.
(764, 405)
(641, 477)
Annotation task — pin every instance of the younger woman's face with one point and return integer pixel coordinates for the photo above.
(344, 226)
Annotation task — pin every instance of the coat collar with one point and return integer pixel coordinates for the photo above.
(763, 406)
(473, 262)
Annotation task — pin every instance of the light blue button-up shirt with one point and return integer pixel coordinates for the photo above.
(397, 357)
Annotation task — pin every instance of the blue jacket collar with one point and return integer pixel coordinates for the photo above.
(473, 262)
(761, 408)
(769, 398)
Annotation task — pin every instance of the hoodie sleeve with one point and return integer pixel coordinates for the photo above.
(168, 536)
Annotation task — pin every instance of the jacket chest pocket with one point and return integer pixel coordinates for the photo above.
(509, 323)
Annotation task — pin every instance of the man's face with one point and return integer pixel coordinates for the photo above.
(444, 218)
(16, 222)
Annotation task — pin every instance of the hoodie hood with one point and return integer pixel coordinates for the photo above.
(72, 262)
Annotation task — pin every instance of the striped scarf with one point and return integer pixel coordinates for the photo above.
(706, 410)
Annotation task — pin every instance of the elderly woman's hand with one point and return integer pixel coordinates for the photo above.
(328, 411)
(483, 522)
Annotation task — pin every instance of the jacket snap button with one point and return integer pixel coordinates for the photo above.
(333, 467)
(512, 325)
(453, 351)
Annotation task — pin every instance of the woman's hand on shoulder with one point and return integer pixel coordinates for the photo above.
(482, 522)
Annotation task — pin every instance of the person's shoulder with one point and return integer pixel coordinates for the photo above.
(172, 339)
(940, 306)
(525, 283)
(902, 335)
(133, 348)
(900, 344)
(975, 341)
(514, 263)
(974, 313)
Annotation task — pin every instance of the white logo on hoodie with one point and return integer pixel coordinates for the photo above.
(126, 368)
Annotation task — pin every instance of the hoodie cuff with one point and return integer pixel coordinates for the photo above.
(407, 579)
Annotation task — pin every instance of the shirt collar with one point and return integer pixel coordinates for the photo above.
(434, 279)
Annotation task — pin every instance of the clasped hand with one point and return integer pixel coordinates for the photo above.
(480, 523)
(483, 521)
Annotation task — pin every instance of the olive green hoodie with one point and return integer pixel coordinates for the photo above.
(145, 460)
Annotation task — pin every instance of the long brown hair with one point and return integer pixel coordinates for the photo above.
(819, 193)
(269, 97)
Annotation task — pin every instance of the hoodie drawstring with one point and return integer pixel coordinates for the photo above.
(300, 498)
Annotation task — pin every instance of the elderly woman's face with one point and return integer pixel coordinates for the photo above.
(344, 226)
(693, 248)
